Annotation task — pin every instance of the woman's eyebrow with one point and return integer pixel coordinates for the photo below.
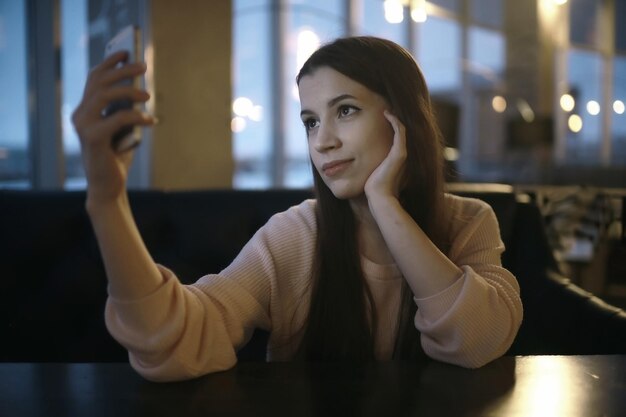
(337, 99)
(330, 103)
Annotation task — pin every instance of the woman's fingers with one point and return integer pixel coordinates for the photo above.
(386, 178)
(128, 71)
(112, 60)
(109, 63)
(110, 82)
(97, 72)
(106, 75)
(108, 126)
(103, 98)
(104, 85)
(398, 149)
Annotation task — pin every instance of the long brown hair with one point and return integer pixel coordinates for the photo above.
(342, 316)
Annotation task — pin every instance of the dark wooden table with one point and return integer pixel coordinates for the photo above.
(523, 386)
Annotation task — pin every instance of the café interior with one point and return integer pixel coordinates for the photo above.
(529, 96)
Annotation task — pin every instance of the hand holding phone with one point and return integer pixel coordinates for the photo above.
(129, 40)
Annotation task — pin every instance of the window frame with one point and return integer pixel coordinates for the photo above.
(605, 47)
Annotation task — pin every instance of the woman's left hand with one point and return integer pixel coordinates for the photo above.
(387, 178)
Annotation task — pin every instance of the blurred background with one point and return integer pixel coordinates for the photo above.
(530, 94)
(527, 92)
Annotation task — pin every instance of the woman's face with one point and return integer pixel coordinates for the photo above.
(348, 135)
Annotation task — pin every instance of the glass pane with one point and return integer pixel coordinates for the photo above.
(584, 16)
(583, 139)
(487, 12)
(618, 147)
(440, 61)
(14, 161)
(311, 23)
(452, 5)
(487, 56)
(331, 10)
(74, 70)
(249, 6)
(620, 25)
(441, 64)
(376, 23)
(485, 70)
(251, 94)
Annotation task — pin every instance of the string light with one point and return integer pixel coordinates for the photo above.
(307, 43)
(418, 11)
(499, 104)
(575, 123)
(256, 114)
(242, 106)
(593, 107)
(525, 110)
(394, 10)
(567, 102)
(237, 124)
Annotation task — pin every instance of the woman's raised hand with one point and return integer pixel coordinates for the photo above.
(107, 170)
(387, 178)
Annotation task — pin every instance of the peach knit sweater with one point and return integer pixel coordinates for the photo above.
(183, 331)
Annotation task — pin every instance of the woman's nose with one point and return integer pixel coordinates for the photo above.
(326, 139)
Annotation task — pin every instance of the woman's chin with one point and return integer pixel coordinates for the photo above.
(347, 193)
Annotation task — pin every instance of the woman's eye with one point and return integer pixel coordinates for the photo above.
(346, 110)
(310, 124)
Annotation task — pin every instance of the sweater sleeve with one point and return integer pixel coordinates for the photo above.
(172, 334)
(476, 319)
(184, 331)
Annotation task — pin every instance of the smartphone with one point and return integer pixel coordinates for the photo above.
(128, 39)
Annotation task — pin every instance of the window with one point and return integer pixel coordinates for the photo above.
(620, 27)
(270, 148)
(273, 152)
(595, 72)
(310, 23)
(584, 133)
(451, 5)
(618, 100)
(252, 106)
(486, 57)
(14, 159)
(618, 114)
(440, 60)
(584, 22)
(461, 47)
(378, 22)
(487, 12)
(74, 70)
(441, 64)
(44, 62)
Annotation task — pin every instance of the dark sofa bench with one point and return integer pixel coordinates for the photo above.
(53, 286)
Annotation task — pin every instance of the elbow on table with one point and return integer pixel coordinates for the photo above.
(172, 370)
(470, 360)
(472, 351)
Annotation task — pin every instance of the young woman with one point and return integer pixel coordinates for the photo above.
(382, 264)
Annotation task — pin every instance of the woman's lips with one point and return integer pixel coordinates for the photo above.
(333, 168)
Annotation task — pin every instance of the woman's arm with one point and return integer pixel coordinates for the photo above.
(427, 270)
(469, 308)
(476, 319)
(130, 269)
(180, 332)
(171, 331)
